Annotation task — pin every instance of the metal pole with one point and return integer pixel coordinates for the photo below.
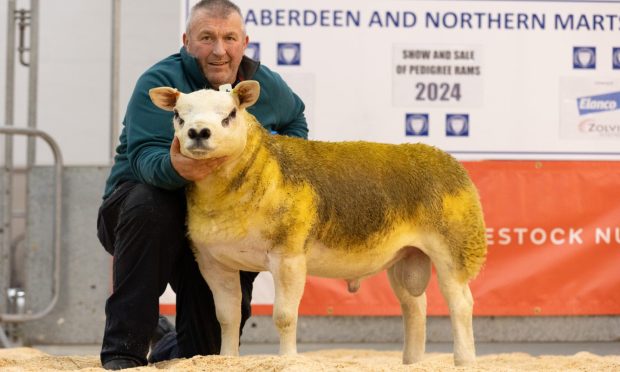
(5, 250)
(10, 65)
(115, 78)
(33, 78)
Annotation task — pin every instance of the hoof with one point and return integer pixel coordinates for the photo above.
(412, 360)
(464, 362)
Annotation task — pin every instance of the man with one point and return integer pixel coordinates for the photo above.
(142, 218)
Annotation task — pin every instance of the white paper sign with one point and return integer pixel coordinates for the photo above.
(590, 109)
(437, 76)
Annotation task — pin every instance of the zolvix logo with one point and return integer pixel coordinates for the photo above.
(590, 126)
(416, 125)
(457, 125)
(253, 51)
(616, 58)
(598, 103)
(289, 54)
(584, 57)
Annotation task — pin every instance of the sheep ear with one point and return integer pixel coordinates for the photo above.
(247, 93)
(164, 97)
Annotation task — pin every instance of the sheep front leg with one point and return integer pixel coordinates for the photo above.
(289, 279)
(226, 288)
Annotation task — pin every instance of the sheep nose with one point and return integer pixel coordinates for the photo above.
(204, 133)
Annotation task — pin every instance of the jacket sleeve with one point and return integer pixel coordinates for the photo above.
(294, 119)
(290, 108)
(149, 135)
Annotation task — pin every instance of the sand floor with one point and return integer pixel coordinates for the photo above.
(27, 359)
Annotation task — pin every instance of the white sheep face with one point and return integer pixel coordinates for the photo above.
(206, 125)
(209, 123)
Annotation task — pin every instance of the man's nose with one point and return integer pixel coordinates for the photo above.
(218, 48)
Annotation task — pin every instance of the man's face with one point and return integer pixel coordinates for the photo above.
(218, 44)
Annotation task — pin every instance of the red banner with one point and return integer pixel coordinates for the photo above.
(553, 230)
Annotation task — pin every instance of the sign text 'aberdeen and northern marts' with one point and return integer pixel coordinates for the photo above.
(474, 20)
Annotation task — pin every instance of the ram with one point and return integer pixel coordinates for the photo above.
(331, 209)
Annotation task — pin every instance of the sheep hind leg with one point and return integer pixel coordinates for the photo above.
(460, 303)
(409, 278)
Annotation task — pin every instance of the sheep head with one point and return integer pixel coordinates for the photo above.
(209, 123)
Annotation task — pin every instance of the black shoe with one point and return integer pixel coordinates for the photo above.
(121, 363)
(163, 327)
(165, 349)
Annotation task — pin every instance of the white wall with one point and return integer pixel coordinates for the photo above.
(75, 70)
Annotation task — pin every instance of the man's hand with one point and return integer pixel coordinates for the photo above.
(191, 169)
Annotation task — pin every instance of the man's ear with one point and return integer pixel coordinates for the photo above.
(185, 40)
(247, 93)
(164, 97)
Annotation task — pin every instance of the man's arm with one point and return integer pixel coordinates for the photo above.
(149, 133)
(280, 107)
(295, 124)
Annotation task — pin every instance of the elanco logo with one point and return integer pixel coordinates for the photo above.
(598, 103)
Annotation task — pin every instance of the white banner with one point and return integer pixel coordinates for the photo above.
(480, 79)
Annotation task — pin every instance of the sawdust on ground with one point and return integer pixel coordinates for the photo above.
(341, 360)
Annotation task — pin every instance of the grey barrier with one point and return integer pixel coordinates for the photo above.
(8, 317)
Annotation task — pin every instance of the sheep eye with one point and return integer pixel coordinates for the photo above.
(226, 120)
(178, 118)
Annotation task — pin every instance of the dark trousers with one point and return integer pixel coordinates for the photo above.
(143, 227)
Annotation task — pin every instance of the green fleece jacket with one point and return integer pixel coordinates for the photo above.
(143, 154)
